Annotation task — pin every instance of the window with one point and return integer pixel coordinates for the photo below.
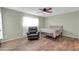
(30, 21)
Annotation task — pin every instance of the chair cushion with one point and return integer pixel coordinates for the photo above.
(32, 29)
(33, 34)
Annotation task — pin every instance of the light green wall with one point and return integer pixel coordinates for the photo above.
(41, 22)
(69, 22)
(12, 23)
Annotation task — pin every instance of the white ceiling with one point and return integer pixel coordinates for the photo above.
(36, 11)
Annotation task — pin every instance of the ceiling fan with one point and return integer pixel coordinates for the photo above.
(46, 10)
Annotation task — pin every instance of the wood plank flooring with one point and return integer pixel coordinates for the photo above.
(43, 44)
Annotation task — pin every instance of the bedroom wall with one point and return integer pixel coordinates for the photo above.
(41, 22)
(69, 22)
(12, 23)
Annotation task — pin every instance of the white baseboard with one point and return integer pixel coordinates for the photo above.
(71, 36)
(3, 40)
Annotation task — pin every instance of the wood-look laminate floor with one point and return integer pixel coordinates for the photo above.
(43, 44)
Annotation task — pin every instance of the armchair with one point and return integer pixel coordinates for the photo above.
(33, 33)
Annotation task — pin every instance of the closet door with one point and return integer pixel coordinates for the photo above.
(1, 34)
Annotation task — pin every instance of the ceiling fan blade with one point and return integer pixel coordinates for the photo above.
(49, 12)
(49, 8)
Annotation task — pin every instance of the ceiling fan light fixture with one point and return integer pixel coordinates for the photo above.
(44, 12)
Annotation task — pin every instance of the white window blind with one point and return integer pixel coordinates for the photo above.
(30, 21)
